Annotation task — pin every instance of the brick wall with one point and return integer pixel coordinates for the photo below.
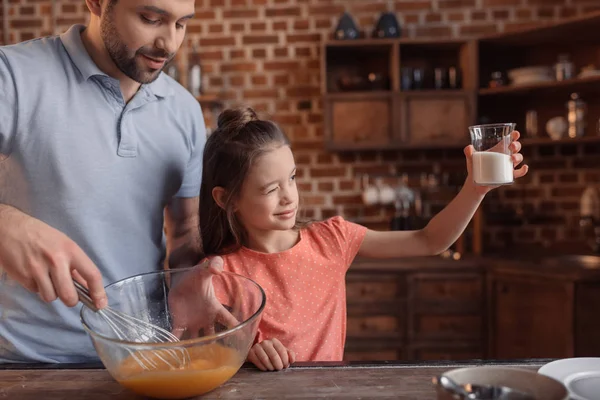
(266, 53)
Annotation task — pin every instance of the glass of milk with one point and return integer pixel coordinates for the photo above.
(492, 161)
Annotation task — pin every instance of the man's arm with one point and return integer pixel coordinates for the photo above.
(184, 246)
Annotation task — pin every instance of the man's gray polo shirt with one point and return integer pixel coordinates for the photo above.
(97, 169)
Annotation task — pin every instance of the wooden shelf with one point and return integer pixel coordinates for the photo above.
(575, 84)
(576, 29)
(433, 93)
(364, 42)
(547, 140)
(356, 95)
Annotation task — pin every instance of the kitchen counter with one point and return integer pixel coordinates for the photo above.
(383, 380)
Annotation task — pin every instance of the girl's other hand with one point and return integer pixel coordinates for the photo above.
(271, 355)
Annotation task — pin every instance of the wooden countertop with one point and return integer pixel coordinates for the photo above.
(303, 381)
(551, 266)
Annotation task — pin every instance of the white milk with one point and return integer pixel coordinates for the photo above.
(491, 168)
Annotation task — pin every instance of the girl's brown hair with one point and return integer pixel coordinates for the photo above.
(240, 138)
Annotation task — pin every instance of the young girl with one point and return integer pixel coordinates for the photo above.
(248, 216)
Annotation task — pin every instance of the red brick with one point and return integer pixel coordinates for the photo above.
(240, 13)
(476, 30)
(500, 14)
(239, 67)
(545, 12)
(259, 2)
(305, 187)
(283, 105)
(68, 21)
(258, 26)
(352, 199)
(313, 200)
(314, 64)
(303, 51)
(326, 158)
(496, 3)
(330, 172)
(281, 65)
(308, 37)
(280, 26)
(315, 118)
(239, 3)
(371, 7)
(260, 93)
(237, 54)
(238, 80)
(302, 24)
(25, 23)
(444, 4)
(215, 55)
(567, 191)
(303, 91)
(456, 16)
(325, 186)
(412, 5)
(333, 10)
(282, 80)
(209, 15)
(479, 15)
(282, 52)
(433, 17)
(222, 41)
(216, 81)
(216, 28)
(259, 53)
(288, 119)
(69, 8)
(217, 3)
(238, 27)
(283, 12)
(347, 185)
(411, 18)
(303, 159)
(434, 31)
(324, 24)
(545, 2)
(193, 28)
(261, 39)
(26, 10)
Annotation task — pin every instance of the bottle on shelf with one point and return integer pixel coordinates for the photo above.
(195, 73)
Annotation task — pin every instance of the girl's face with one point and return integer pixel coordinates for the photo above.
(269, 197)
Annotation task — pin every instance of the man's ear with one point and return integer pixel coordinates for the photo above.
(218, 194)
(95, 6)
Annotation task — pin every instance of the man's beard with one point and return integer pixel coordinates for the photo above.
(126, 59)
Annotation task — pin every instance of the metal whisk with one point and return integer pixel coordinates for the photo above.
(132, 329)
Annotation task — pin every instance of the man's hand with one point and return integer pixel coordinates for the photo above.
(193, 303)
(271, 355)
(45, 261)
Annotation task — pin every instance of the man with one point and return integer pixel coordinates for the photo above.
(97, 149)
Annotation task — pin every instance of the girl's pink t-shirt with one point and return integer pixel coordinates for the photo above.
(305, 288)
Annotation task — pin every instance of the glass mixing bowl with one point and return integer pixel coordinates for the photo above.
(216, 316)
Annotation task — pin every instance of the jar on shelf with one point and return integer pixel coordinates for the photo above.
(576, 114)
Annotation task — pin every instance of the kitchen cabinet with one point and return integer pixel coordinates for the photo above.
(382, 93)
(416, 309)
(542, 311)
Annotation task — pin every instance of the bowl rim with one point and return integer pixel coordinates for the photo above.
(182, 343)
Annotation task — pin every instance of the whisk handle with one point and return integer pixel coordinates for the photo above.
(84, 295)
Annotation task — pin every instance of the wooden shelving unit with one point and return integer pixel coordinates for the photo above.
(368, 104)
(384, 116)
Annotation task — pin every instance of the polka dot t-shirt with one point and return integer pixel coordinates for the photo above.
(305, 288)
